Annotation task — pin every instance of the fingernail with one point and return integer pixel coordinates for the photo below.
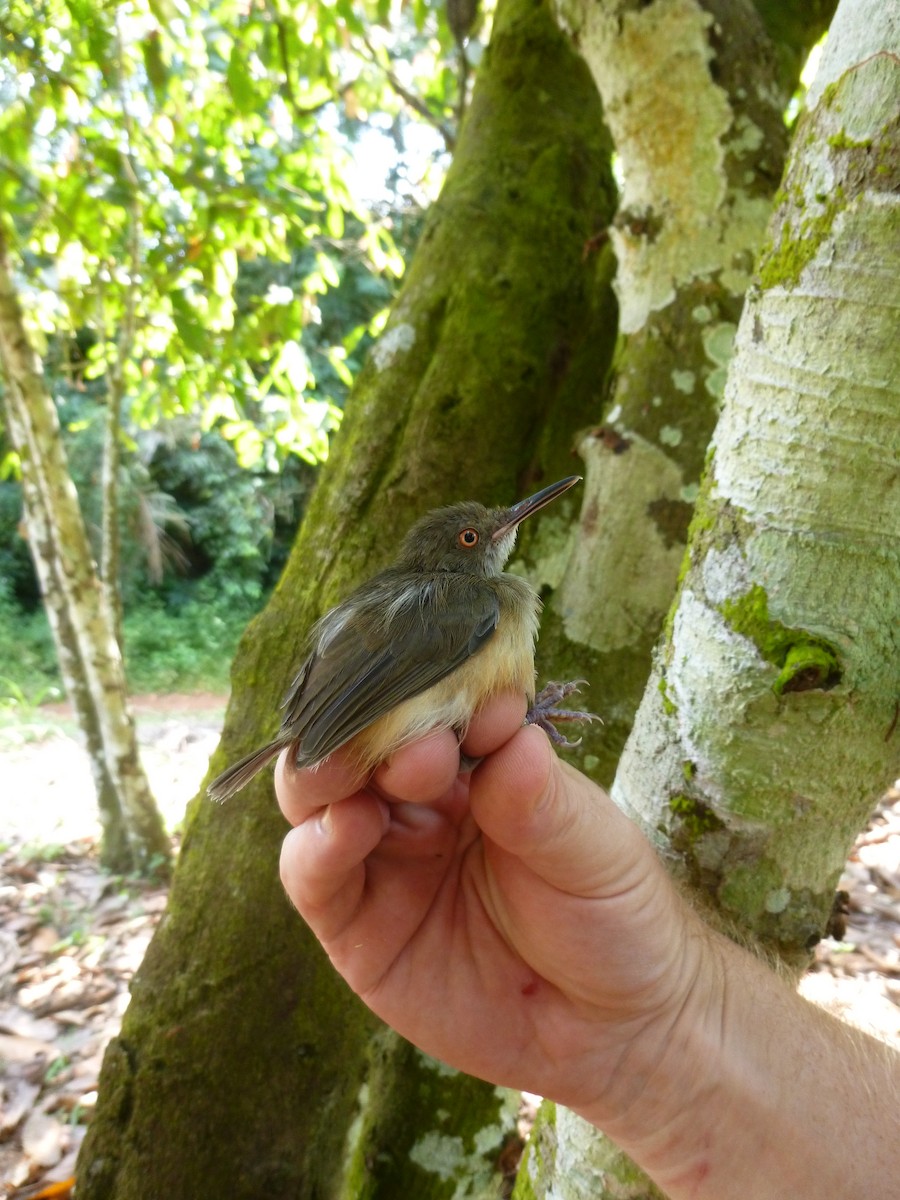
(326, 821)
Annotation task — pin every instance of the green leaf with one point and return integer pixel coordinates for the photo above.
(240, 85)
(154, 65)
(189, 328)
(164, 11)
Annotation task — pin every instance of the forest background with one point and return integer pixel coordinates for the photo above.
(248, 201)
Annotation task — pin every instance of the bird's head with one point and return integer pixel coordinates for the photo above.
(470, 538)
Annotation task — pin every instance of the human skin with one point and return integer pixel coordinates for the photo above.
(512, 922)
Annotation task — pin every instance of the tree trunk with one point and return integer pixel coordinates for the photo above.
(110, 532)
(34, 424)
(115, 851)
(283, 1084)
(769, 726)
(776, 691)
(694, 94)
(111, 537)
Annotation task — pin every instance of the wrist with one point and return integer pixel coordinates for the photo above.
(737, 1096)
(670, 1090)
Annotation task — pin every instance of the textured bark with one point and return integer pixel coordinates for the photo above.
(54, 508)
(768, 728)
(282, 1083)
(694, 95)
(111, 538)
(454, 1152)
(110, 535)
(115, 851)
(767, 737)
(566, 1160)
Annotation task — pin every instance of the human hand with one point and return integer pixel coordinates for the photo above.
(511, 922)
(515, 924)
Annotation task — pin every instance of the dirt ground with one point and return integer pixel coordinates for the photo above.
(71, 937)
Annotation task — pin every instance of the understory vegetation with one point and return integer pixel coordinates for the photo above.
(204, 215)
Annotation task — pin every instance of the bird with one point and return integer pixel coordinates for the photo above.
(420, 646)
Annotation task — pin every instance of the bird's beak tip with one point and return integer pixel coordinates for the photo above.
(524, 508)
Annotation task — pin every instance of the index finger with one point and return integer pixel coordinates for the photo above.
(301, 791)
(420, 772)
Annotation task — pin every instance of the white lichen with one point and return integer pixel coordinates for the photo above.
(398, 340)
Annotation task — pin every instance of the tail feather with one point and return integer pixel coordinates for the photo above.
(240, 773)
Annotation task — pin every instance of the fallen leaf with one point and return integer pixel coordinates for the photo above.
(42, 1139)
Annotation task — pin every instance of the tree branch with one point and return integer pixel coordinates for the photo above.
(34, 59)
(112, 450)
(416, 103)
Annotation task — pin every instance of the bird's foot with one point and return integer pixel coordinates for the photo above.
(544, 712)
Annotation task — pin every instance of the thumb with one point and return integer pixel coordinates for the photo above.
(563, 826)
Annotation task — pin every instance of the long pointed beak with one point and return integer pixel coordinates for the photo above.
(518, 512)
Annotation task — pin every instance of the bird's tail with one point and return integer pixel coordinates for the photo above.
(241, 772)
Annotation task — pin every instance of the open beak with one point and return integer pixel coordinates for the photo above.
(518, 512)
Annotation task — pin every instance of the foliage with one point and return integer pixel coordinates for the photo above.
(157, 152)
(189, 648)
(27, 652)
(181, 183)
(187, 509)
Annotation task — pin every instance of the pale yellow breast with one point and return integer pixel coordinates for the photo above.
(505, 663)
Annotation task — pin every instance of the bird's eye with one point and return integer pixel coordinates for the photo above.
(468, 538)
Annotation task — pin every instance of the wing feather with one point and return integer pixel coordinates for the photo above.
(367, 670)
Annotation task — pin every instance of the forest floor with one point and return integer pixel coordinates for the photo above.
(71, 936)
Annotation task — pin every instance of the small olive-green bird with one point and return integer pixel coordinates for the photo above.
(422, 645)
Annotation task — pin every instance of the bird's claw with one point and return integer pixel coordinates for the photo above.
(544, 712)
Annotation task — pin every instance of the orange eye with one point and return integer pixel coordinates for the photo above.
(468, 538)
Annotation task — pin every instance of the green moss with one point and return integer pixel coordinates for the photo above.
(788, 919)
(804, 661)
(807, 665)
(783, 265)
(840, 141)
(829, 92)
(749, 617)
(694, 818)
(747, 887)
(453, 1141)
(669, 707)
(536, 1169)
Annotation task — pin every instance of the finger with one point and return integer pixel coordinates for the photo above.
(495, 724)
(556, 820)
(300, 791)
(323, 861)
(423, 771)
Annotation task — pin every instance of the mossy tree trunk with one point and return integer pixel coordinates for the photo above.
(81, 618)
(769, 727)
(244, 1067)
(694, 93)
(773, 702)
(115, 853)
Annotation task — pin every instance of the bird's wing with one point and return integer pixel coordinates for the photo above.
(365, 670)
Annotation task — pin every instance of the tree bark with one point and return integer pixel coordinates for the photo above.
(110, 530)
(34, 419)
(775, 694)
(110, 533)
(283, 1084)
(115, 851)
(769, 726)
(694, 93)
